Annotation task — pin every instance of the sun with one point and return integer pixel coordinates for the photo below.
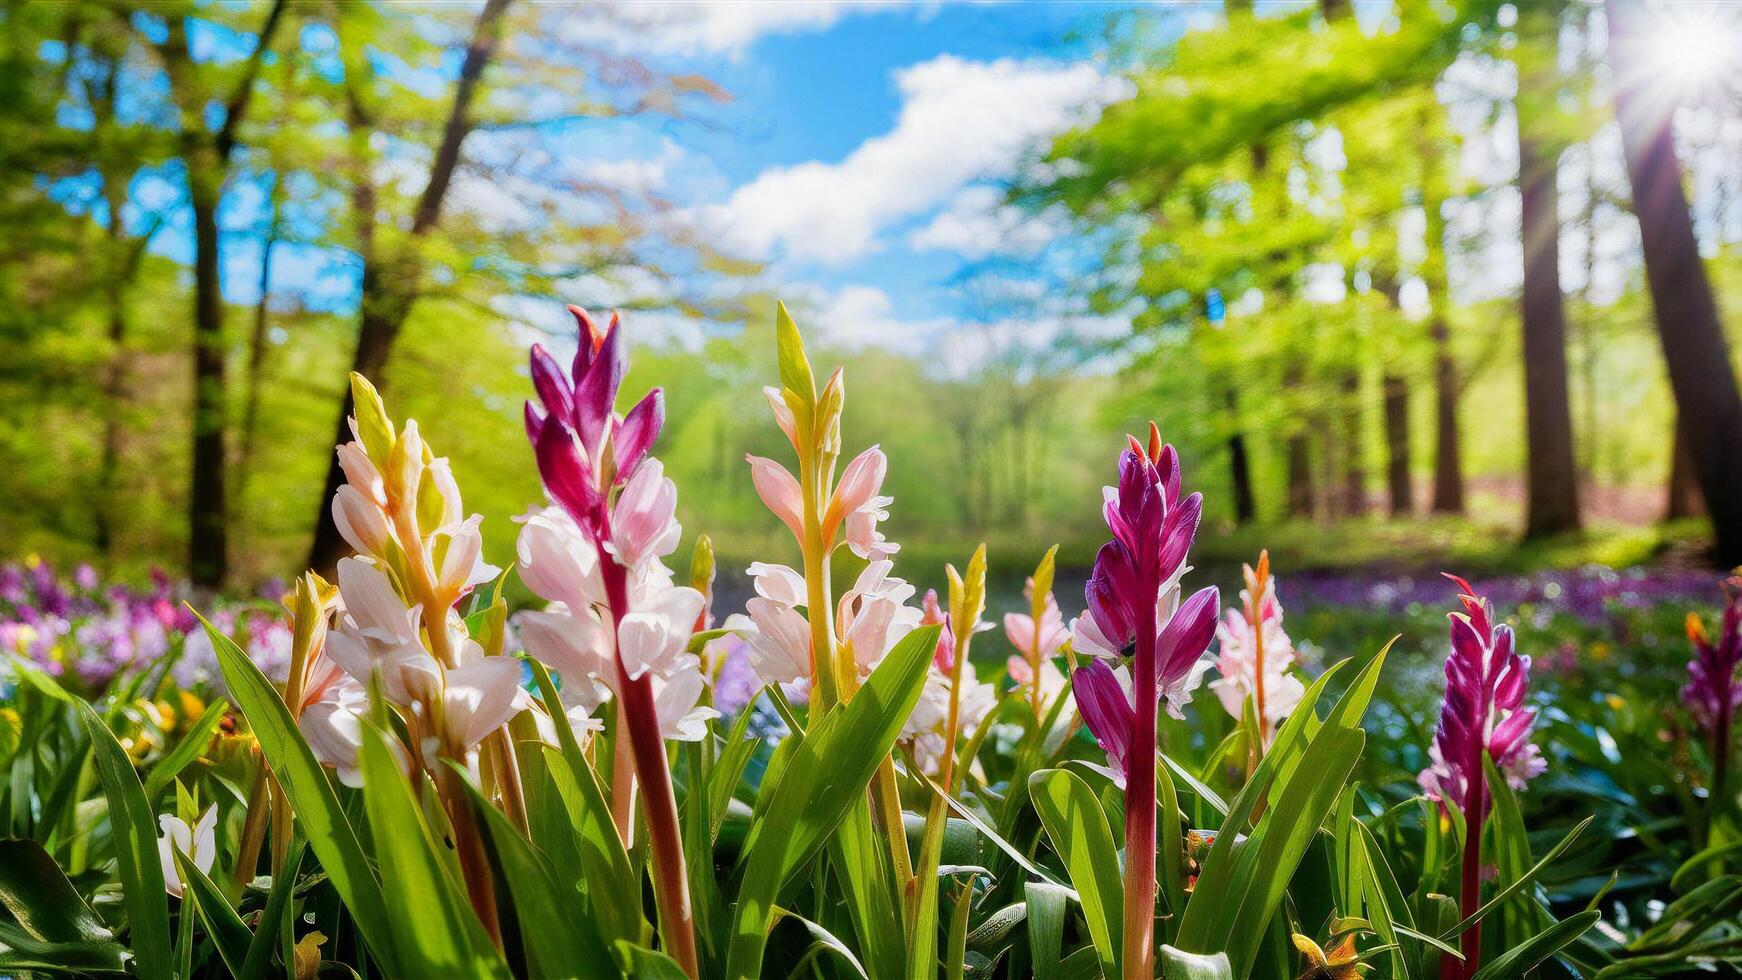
(1695, 48)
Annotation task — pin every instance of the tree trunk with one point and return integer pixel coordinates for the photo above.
(1693, 341)
(1684, 487)
(1448, 495)
(1353, 502)
(1552, 503)
(1399, 488)
(207, 526)
(257, 345)
(391, 282)
(1239, 467)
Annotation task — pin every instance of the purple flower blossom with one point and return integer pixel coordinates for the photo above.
(1134, 605)
(1714, 690)
(1483, 715)
(1486, 681)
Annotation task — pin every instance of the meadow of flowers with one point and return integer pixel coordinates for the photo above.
(385, 772)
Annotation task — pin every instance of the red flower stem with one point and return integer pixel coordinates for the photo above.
(638, 718)
(1721, 760)
(1470, 897)
(1139, 944)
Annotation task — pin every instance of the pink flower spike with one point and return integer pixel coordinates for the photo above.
(1105, 702)
(779, 492)
(552, 387)
(596, 391)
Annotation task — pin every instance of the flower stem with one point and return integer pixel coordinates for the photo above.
(638, 718)
(819, 603)
(1470, 893)
(1139, 951)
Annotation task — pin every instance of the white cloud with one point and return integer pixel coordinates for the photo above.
(961, 121)
(858, 316)
(978, 223)
(728, 27)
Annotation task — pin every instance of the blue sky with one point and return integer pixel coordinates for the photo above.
(860, 157)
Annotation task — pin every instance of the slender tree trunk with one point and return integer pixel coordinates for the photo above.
(1353, 501)
(114, 407)
(1687, 318)
(391, 282)
(207, 524)
(1552, 503)
(207, 159)
(1239, 467)
(1399, 489)
(257, 346)
(1301, 492)
(1684, 485)
(1448, 490)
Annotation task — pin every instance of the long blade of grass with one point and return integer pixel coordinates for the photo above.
(1077, 827)
(134, 832)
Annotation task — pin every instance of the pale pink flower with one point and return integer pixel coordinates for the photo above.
(556, 560)
(575, 645)
(1236, 663)
(379, 632)
(779, 583)
(780, 641)
(198, 842)
(361, 521)
(643, 523)
(863, 537)
(1019, 628)
(779, 492)
(456, 552)
(676, 698)
(332, 724)
(782, 413)
(859, 483)
(655, 633)
(480, 696)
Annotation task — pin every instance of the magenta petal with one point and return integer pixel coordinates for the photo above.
(566, 475)
(553, 389)
(1178, 533)
(638, 431)
(1105, 710)
(1186, 636)
(589, 336)
(534, 422)
(596, 392)
(1168, 469)
(1112, 593)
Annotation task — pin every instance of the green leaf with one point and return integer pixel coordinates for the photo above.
(311, 796)
(1515, 887)
(822, 940)
(192, 745)
(1521, 959)
(259, 959)
(613, 888)
(51, 912)
(134, 832)
(1047, 904)
(546, 914)
(1078, 830)
(1177, 964)
(1240, 889)
(229, 934)
(728, 771)
(818, 786)
(435, 931)
(648, 964)
(795, 367)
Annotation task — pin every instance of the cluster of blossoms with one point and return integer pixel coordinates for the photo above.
(1254, 654)
(418, 554)
(1135, 607)
(1486, 683)
(595, 554)
(1037, 641)
(870, 618)
(1713, 692)
(88, 633)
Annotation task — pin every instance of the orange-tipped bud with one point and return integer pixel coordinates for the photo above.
(1696, 628)
(1154, 442)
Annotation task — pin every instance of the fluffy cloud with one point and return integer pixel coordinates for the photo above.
(728, 28)
(961, 121)
(978, 223)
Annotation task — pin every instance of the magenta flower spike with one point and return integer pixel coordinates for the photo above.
(1483, 714)
(585, 452)
(1713, 692)
(1135, 609)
